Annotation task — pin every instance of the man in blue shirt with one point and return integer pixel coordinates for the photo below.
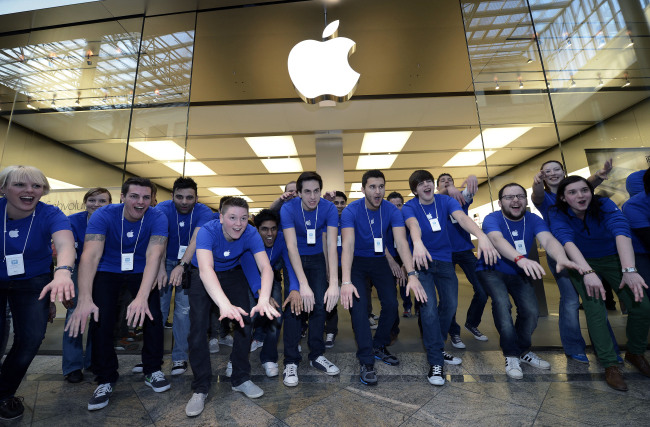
(637, 212)
(364, 227)
(513, 231)
(123, 247)
(332, 319)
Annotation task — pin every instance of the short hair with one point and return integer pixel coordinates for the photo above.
(341, 194)
(512, 184)
(142, 182)
(444, 174)
(97, 191)
(236, 202)
(417, 177)
(646, 181)
(395, 195)
(19, 173)
(222, 201)
(372, 173)
(184, 182)
(266, 215)
(308, 176)
(288, 184)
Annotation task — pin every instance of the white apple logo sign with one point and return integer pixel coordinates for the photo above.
(129, 234)
(320, 70)
(226, 253)
(181, 224)
(13, 233)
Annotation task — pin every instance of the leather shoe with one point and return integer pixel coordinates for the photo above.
(75, 377)
(615, 379)
(639, 362)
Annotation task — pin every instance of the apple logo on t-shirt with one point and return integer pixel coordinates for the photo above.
(181, 224)
(13, 233)
(129, 234)
(515, 233)
(226, 253)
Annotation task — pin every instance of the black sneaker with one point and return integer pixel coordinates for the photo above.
(329, 340)
(11, 408)
(75, 377)
(100, 396)
(368, 376)
(384, 355)
(435, 376)
(157, 381)
(451, 360)
(179, 367)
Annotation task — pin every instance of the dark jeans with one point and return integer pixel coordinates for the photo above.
(267, 330)
(467, 262)
(316, 273)
(234, 285)
(106, 292)
(515, 338)
(30, 322)
(377, 270)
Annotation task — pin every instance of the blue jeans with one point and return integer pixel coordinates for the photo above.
(74, 358)
(467, 262)
(436, 316)
(267, 330)
(515, 338)
(30, 322)
(181, 325)
(316, 273)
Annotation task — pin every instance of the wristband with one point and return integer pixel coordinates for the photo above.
(346, 283)
(588, 272)
(64, 267)
(518, 258)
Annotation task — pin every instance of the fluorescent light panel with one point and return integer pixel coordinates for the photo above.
(384, 142)
(55, 184)
(161, 150)
(282, 165)
(497, 137)
(229, 191)
(356, 186)
(191, 168)
(8, 7)
(272, 146)
(468, 158)
(377, 161)
(356, 195)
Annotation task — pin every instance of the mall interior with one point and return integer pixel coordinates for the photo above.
(95, 91)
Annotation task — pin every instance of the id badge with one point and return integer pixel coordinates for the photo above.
(435, 225)
(453, 220)
(379, 245)
(520, 246)
(311, 236)
(15, 265)
(181, 251)
(127, 262)
(338, 241)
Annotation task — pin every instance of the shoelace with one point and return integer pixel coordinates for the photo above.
(103, 389)
(292, 370)
(329, 337)
(436, 370)
(512, 363)
(447, 355)
(14, 402)
(178, 363)
(323, 361)
(157, 376)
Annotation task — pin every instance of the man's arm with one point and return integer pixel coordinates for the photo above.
(263, 306)
(332, 292)
(602, 174)
(285, 197)
(556, 251)
(485, 246)
(420, 252)
(176, 275)
(347, 253)
(530, 267)
(292, 247)
(61, 284)
(139, 307)
(413, 283)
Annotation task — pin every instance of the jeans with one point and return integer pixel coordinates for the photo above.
(181, 325)
(467, 262)
(267, 330)
(106, 290)
(377, 270)
(30, 322)
(6, 330)
(436, 316)
(315, 271)
(73, 351)
(515, 338)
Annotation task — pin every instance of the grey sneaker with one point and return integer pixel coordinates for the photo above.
(100, 396)
(385, 356)
(229, 369)
(373, 323)
(329, 340)
(138, 369)
(290, 375)
(196, 404)
(477, 334)
(368, 376)
(214, 346)
(227, 340)
(157, 381)
(322, 364)
(255, 344)
(249, 389)
(456, 341)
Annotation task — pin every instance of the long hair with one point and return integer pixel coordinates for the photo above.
(593, 209)
(546, 187)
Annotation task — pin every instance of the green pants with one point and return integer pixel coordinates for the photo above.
(608, 269)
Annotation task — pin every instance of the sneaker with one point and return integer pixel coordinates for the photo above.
(451, 360)
(168, 325)
(196, 404)
(256, 344)
(322, 364)
(513, 370)
(249, 389)
(384, 355)
(100, 396)
(157, 381)
(435, 376)
(75, 377)
(619, 359)
(329, 340)
(373, 323)
(581, 358)
(213, 344)
(374, 316)
(477, 334)
(456, 341)
(407, 313)
(119, 346)
(12, 408)
(179, 367)
(533, 360)
(229, 369)
(368, 376)
(138, 369)
(227, 340)
(290, 375)
(271, 369)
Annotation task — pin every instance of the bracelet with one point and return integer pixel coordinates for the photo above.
(588, 272)
(346, 283)
(64, 267)
(518, 258)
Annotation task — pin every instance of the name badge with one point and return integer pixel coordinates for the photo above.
(127, 262)
(311, 236)
(452, 219)
(520, 246)
(15, 265)
(379, 245)
(338, 241)
(181, 251)
(435, 225)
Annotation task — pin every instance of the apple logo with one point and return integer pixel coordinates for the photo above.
(308, 222)
(13, 233)
(181, 224)
(320, 70)
(515, 233)
(129, 234)
(226, 253)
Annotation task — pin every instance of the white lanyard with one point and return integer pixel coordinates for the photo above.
(271, 255)
(303, 216)
(122, 233)
(381, 223)
(178, 227)
(519, 244)
(4, 235)
(435, 207)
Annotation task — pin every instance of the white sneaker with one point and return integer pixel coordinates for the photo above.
(229, 369)
(179, 367)
(513, 370)
(435, 375)
(322, 364)
(451, 360)
(256, 344)
(271, 369)
(290, 375)
(196, 404)
(214, 345)
(456, 341)
(533, 360)
(249, 389)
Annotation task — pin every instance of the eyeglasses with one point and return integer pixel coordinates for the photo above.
(512, 197)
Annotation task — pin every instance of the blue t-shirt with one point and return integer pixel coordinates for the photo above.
(277, 251)
(291, 216)
(37, 255)
(637, 212)
(226, 254)
(594, 238)
(369, 224)
(183, 224)
(528, 227)
(79, 222)
(543, 208)
(634, 183)
(437, 243)
(460, 239)
(109, 222)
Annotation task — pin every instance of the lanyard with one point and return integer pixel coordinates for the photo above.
(178, 228)
(381, 222)
(122, 233)
(4, 235)
(434, 207)
(510, 232)
(303, 215)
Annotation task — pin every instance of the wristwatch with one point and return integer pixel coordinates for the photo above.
(64, 267)
(629, 270)
(183, 264)
(413, 273)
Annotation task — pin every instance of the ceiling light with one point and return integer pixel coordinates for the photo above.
(573, 82)
(161, 150)
(377, 161)
(384, 142)
(55, 184)
(53, 103)
(601, 83)
(529, 61)
(627, 81)
(288, 165)
(496, 137)
(521, 83)
(356, 195)
(29, 104)
(229, 191)
(89, 55)
(191, 168)
(8, 7)
(468, 158)
(496, 84)
(272, 146)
